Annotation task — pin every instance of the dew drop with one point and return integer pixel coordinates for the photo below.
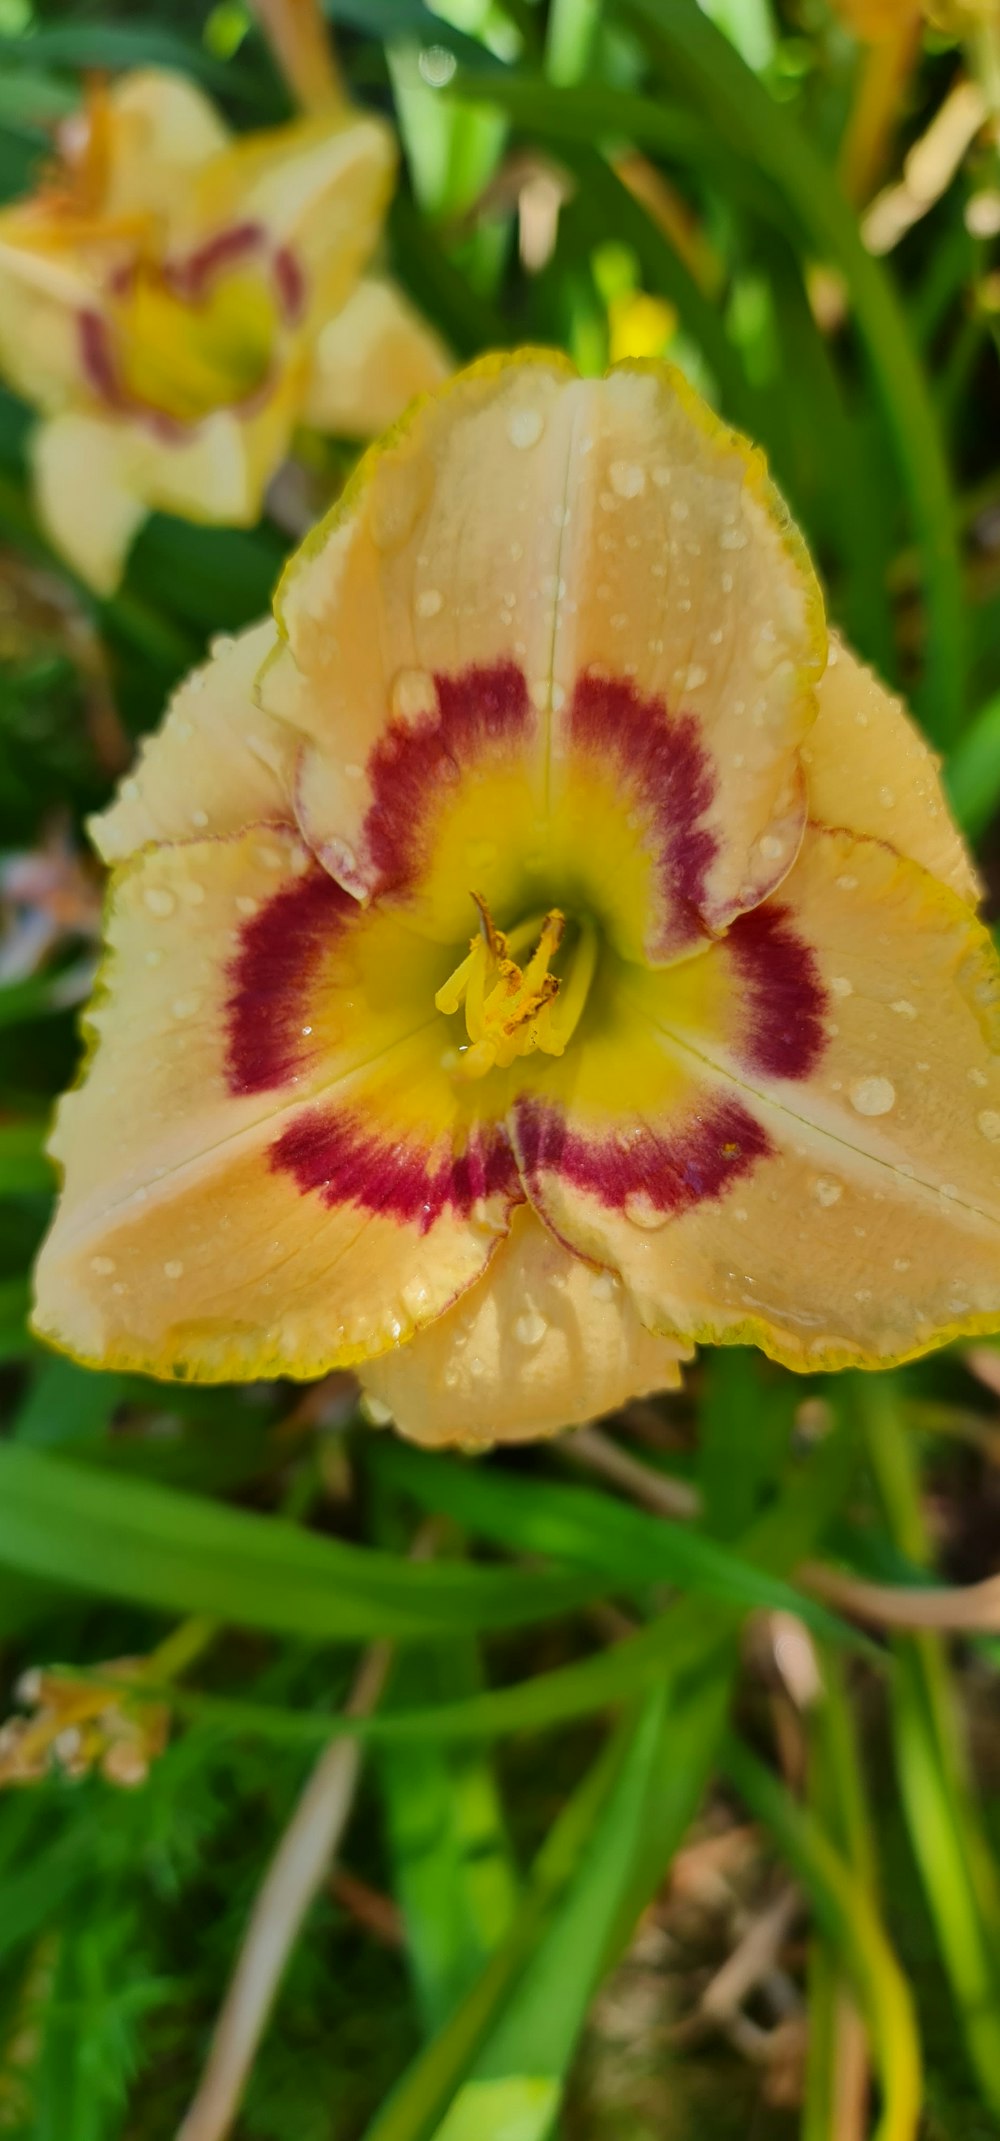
(696, 676)
(989, 1124)
(732, 539)
(185, 1006)
(640, 1209)
(604, 1285)
(530, 1328)
(430, 602)
(173, 1269)
(872, 1096)
(627, 478)
(525, 427)
(199, 818)
(887, 798)
(413, 695)
(154, 958)
(978, 1077)
(102, 1266)
(245, 905)
(159, 901)
(827, 1193)
(903, 1007)
(771, 847)
(840, 985)
(339, 857)
(901, 1263)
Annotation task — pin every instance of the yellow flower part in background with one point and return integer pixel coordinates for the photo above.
(537, 951)
(176, 300)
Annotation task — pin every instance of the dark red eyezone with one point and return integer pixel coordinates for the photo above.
(280, 953)
(784, 1001)
(342, 1158)
(660, 757)
(670, 1170)
(482, 709)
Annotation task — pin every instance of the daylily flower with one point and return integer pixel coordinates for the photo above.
(176, 300)
(539, 953)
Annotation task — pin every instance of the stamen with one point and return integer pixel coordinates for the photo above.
(511, 1011)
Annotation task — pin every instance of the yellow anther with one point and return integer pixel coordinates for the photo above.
(512, 1010)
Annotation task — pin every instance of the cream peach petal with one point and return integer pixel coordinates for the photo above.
(218, 470)
(627, 537)
(409, 576)
(162, 130)
(263, 1150)
(215, 765)
(40, 300)
(91, 496)
(372, 359)
(869, 769)
(834, 1195)
(685, 577)
(319, 187)
(543, 1341)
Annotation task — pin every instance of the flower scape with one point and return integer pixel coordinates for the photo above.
(536, 951)
(176, 301)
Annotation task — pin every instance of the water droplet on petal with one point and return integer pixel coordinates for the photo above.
(989, 1124)
(413, 695)
(159, 901)
(840, 985)
(827, 1193)
(530, 1328)
(430, 602)
(640, 1209)
(185, 1006)
(903, 1007)
(872, 1096)
(102, 1266)
(174, 1269)
(525, 427)
(627, 478)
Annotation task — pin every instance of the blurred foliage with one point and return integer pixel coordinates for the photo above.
(593, 1783)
